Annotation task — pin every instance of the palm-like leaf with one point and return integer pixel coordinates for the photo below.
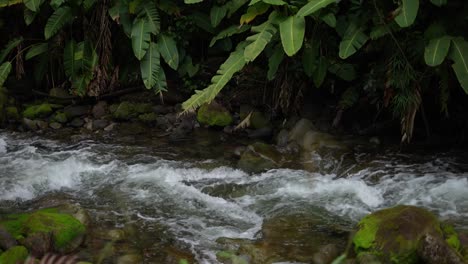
(141, 36)
(150, 66)
(152, 14)
(69, 58)
(228, 32)
(5, 69)
(57, 20)
(259, 41)
(408, 13)
(313, 6)
(33, 5)
(353, 40)
(168, 49)
(459, 55)
(36, 50)
(234, 63)
(9, 47)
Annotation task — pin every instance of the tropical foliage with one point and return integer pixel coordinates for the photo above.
(390, 52)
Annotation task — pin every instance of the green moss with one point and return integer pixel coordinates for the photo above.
(60, 117)
(148, 118)
(37, 111)
(12, 113)
(143, 108)
(64, 227)
(14, 255)
(395, 233)
(365, 236)
(451, 237)
(230, 257)
(214, 115)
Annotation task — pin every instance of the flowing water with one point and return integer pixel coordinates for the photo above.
(194, 192)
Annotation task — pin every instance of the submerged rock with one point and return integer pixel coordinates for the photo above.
(6, 239)
(214, 115)
(259, 157)
(403, 234)
(76, 110)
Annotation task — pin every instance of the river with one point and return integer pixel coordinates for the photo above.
(195, 193)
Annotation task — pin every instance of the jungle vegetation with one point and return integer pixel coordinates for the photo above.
(393, 55)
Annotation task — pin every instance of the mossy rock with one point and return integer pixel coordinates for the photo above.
(12, 113)
(38, 111)
(14, 255)
(128, 110)
(60, 117)
(148, 118)
(231, 257)
(67, 232)
(258, 120)
(395, 234)
(214, 115)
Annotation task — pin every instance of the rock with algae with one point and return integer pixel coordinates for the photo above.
(396, 235)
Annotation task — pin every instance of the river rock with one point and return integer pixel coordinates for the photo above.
(300, 129)
(38, 243)
(100, 109)
(130, 259)
(264, 132)
(12, 113)
(60, 93)
(433, 249)
(60, 117)
(76, 110)
(77, 122)
(214, 114)
(14, 255)
(55, 125)
(403, 234)
(148, 118)
(30, 124)
(259, 157)
(66, 231)
(282, 138)
(6, 239)
(162, 109)
(38, 111)
(100, 124)
(326, 254)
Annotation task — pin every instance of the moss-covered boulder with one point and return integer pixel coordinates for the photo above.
(60, 117)
(38, 111)
(259, 157)
(214, 115)
(12, 113)
(65, 231)
(14, 255)
(394, 235)
(127, 110)
(148, 118)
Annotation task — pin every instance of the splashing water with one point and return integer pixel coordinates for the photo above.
(201, 205)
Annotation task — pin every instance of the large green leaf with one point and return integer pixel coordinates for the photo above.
(259, 41)
(9, 47)
(436, 51)
(150, 66)
(217, 14)
(320, 71)
(57, 20)
(161, 83)
(254, 11)
(344, 71)
(168, 49)
(459, 55)
(230, 31)
(408, 12)
(313, 6)
(152, 14)
(69, 63)
(309, 58)
(292, 31)
(439, 2)
(141, 36)
(192, 1)
(233, 64)
(274, 62)
(33, 5)
(5, 69)
(36, 49)
(353, 40)
(29, 16)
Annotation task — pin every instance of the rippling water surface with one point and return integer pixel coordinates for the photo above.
(201, 200)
